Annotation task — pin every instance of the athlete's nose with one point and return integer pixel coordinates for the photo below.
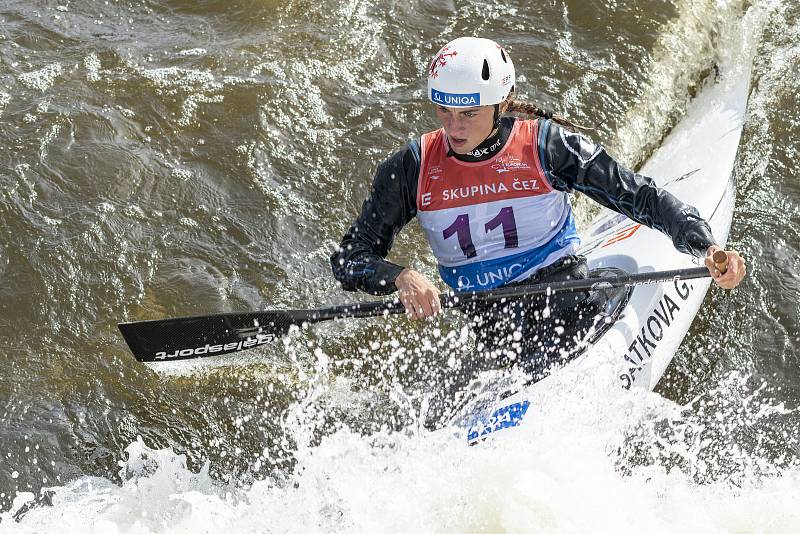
(458, 127)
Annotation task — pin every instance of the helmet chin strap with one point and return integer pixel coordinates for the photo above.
(497, 115)
(495, 123)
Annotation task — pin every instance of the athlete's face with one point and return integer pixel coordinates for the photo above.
(466, 128)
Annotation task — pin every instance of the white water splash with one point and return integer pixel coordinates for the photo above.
(558, 473)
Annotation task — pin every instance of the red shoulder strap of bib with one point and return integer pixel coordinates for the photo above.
(430, 150)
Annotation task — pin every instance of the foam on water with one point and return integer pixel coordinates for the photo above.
(43, 78)
(93, 66)
(565, 471)
(192, 52)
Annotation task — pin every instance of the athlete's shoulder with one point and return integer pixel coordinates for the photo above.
(571, 144)
(406, 158)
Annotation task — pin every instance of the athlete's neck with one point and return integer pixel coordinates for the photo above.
(490, 146)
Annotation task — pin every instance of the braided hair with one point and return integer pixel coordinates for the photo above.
(529, 108)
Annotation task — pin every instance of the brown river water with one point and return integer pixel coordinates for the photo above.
(167, 158)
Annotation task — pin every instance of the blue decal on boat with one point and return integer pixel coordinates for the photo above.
(505, 417)
(456, 99)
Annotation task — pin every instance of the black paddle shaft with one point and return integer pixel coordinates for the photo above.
(211, 335)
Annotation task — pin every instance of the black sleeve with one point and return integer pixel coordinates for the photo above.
(359, 262)
(574, 162)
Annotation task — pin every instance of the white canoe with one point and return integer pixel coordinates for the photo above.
(695, 163)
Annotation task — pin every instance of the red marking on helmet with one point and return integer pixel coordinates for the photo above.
(439, 61)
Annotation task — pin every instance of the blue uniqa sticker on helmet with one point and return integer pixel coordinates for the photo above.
(456, 100)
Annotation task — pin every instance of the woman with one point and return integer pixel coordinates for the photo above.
(491, 193)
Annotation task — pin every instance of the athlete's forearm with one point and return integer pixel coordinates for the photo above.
(583, 166)
(363, 270)
(360, 261)
(637, 197)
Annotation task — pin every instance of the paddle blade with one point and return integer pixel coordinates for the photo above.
(207, 335)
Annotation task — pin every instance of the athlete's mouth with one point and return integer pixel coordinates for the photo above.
(455, 141)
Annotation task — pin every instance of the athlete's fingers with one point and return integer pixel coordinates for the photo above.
(417, 294)
(429, 301)
(734, 274)
(408, 302)
(422, 312)
(712, 269)
(418, 313)
(419, 307)
(436, 304)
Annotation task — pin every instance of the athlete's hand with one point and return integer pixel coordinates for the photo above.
(418, 294)
(736, 268)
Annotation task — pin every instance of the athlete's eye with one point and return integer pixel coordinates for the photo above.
(470, 114)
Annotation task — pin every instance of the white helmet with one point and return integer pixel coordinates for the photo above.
(470, 71)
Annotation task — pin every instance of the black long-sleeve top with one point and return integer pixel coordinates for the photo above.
(572, 162)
